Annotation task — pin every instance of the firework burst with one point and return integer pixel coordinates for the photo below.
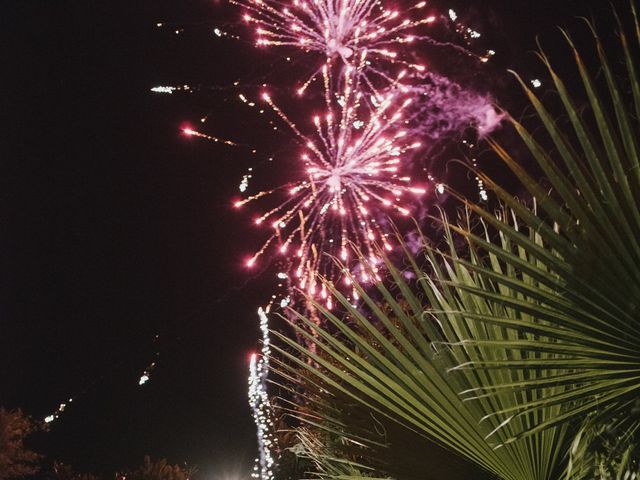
(351, 179)
(339, 31)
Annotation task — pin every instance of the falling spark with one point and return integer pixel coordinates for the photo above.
(194, 133)
(169, 89)
(260, 403)
(163, 89)
(146, 375)
(55, 415)
(244, 184)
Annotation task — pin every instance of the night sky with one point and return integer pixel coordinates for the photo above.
(116, 228)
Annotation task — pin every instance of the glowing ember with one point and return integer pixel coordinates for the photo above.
(194, 133)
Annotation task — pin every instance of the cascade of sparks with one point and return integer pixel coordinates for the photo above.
(339, 29)
(260, 403)
(350, 178)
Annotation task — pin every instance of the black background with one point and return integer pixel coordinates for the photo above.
(115, 227)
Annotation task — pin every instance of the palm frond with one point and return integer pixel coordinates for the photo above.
(394, 358)
(591, 227)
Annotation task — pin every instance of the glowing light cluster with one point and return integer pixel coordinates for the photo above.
(351, 179)
(169, 89)
(146, 375)
(260, 403)
(341, 30)
(55, 415)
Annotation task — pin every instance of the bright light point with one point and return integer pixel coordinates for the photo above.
(49, 418)
(163, 89)
(440, 188)
(430, 19)
(143, 379)
(266, 97)
(251, 262)
(189, 131)
(536, 83)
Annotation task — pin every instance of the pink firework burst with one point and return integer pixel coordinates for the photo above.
(341, 30)
(351, 179)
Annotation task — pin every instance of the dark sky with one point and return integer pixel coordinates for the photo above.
(116, 228)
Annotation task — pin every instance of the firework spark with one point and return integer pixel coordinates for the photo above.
(350, 180)
(194, 133)
(340, 31)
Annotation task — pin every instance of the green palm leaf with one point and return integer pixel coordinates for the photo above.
(591, 225)
(395, 360)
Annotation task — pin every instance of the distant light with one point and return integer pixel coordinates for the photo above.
(143, 379)
(49, 418)
(163, 89)
(536, 83)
